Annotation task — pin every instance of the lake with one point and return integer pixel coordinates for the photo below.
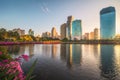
(70, 61)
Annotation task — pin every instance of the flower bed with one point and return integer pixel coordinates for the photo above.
(10, 69)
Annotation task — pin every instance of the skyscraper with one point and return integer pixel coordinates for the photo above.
(96, 34)
(46, 34)
(63, 31)
(54, 33)
(76, 30)
(69, 27)
(86, 36)
(107, 23)
(91, 36)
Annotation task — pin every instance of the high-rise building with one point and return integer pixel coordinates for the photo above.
(69, 27)
(96, 34)
(86, 36)
(107, 23)
(76, 30)
(31, 32)
(54, 33)
(20, 31)
(63, 31)
(46, 34)
(91, 36)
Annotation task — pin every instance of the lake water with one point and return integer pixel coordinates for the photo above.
(70, 61)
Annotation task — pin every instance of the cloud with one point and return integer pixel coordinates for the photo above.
(44, 8)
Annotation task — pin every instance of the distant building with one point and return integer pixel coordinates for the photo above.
(91, 36)
(107, 23)
(96, 34)
(86, 36)
(54, 33)
(69, 27)
(20, 31)
(117, 37)
(46, 34)
(63, 31)
(76, 30)
(31, 32)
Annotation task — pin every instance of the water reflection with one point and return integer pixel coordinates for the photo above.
(46, 49)
(72, 53)
(63, 54)
(18, 50)
(31, 50)
(3, 49)
(117, 60)
(96, 50)
(107, 62)
(10, 49)
(69, 55)
(54, 50)
(71, 61)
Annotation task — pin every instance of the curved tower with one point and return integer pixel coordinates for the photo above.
(107, 23)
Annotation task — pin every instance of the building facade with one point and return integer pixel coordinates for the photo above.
(20, 31)
(96, 34)
(76, 30)
(91, 36)
(46, 34)
(69, 27)
(54, 33)
(63, 31)
(107, 23)
(86, 36)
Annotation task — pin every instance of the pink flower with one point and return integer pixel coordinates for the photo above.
(1, 63)
(0, 53)
(17, 59)
(5, 61)
(25, 57)
(14, 66)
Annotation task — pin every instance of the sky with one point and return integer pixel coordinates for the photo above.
(42, 15)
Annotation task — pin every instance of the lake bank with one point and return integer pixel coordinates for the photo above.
(93, 42)
(20, 43)
(66, 42)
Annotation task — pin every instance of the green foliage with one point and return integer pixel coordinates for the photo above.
(34, 39)
(8, 35)
(65, 39)
(28, 77)
(5, 56)
(48, 39)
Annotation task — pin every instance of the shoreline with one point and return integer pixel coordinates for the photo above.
(67, 42)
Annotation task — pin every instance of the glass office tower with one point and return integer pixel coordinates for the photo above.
(69, 27)
(76, 30)
(107, 23)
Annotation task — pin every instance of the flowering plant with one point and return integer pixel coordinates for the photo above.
(10, 69)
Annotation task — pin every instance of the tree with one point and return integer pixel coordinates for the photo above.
(2, 34)
(65, 39)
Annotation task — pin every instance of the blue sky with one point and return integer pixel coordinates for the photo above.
(42, 15)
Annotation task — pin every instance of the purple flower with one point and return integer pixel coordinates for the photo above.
(25, 57)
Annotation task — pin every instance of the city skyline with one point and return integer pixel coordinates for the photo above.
(42, 15)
